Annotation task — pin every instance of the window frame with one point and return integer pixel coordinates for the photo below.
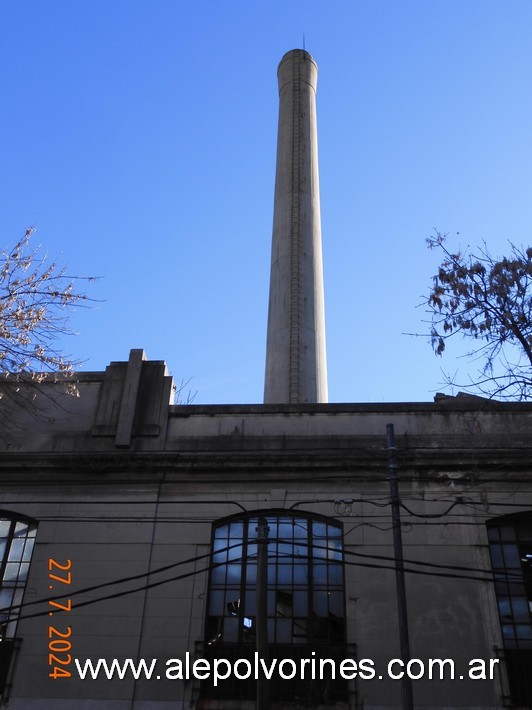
(15, 586)
(509, 537)
(315, 550)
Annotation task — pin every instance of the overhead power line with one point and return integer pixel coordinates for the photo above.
(491, 574)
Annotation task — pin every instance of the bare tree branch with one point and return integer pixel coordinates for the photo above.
(36, 301)
(182, 395)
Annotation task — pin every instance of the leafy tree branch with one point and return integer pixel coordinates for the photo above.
(489, 301)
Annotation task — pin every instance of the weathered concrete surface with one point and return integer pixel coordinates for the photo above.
(121, 507)
(296, 367)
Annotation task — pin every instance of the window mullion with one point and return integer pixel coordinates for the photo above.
(243, 577)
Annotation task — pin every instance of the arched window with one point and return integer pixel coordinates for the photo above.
(304, 590)
(510, 539)
(17, 538)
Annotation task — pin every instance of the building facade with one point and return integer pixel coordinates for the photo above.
(137, 524)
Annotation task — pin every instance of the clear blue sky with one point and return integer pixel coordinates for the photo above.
(139, 138)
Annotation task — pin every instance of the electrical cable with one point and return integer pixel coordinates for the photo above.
(152, 585)
(494, 574)
(123, 580)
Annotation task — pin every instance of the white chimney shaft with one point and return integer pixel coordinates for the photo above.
(296, 367)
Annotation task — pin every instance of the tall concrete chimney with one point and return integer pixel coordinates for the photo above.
(296, 367)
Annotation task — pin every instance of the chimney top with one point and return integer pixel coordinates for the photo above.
(308, 69)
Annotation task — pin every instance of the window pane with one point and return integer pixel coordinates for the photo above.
(505, 609)
(319, 551)
(284, 574)
(232, 605)
(334, 531)
(508, 631)
(511, 556)
(251, 603)
(272, 573)
(284, 631)
(300, 529)
(236, 531)
(301, 574)
(218, 575)
(507, 532)
(16, 549)
(493, 533)
(523, 631)
(271, 601)
(285, 550)
(271, 628)
(231, 629)
(234, 553)
(284, 603)
(21, 529)
(336, 574)
(520, 609)
(301, 551)
(251, 573)
(300, 603)
(496, 557)
(233, 573)
(28, 549)
(273, 531)
(335, 550)
(319, 530)
(220, 551)
(216, 605)
(23, 571)
(11, 573)
(286, 530)
(515, 588)
(6, 597)
(500, 587)
(300, 630)
(222, 531)
(319, 574)
(5, 525)
(320, 604)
